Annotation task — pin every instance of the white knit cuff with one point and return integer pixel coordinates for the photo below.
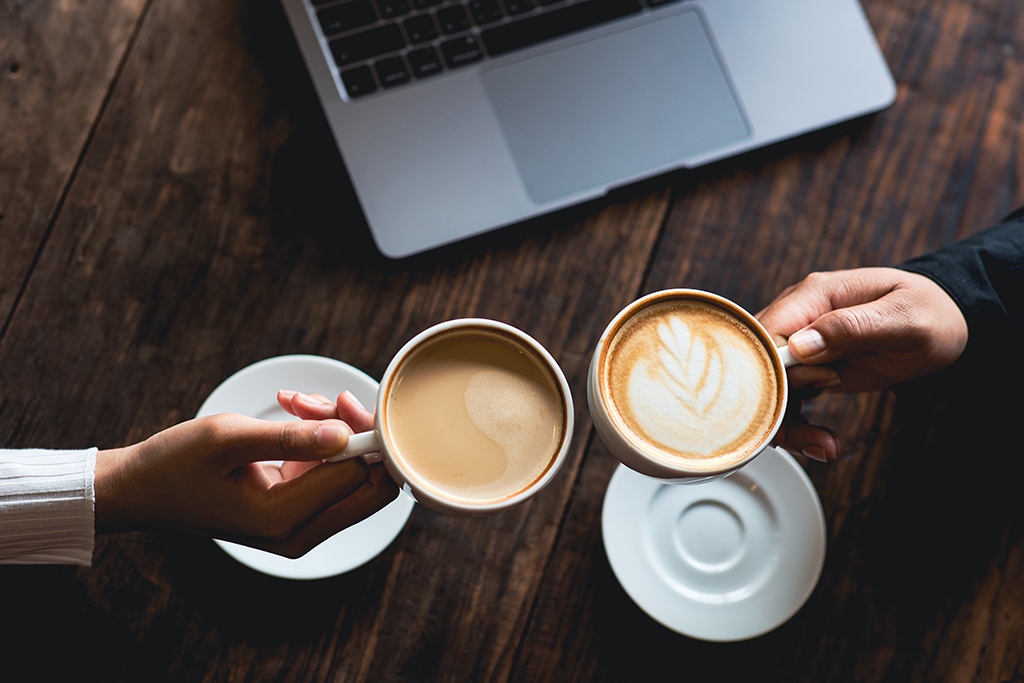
(47, 506)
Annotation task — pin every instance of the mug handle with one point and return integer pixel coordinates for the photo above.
(363, 444)
(786, 356)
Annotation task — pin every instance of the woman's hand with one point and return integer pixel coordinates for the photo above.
(256, 482)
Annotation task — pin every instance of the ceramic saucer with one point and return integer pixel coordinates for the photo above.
(721, 561)
(252, 391)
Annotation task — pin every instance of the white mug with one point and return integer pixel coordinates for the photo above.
(686, 386)
(473, 416)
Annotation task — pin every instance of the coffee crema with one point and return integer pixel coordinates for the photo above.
(475, 415)
(690, 381)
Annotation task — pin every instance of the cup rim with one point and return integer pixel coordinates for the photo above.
(663, 467)
(421, 488)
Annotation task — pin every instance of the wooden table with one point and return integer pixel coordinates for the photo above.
(172, 210)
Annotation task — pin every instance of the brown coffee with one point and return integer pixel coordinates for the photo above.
(475, 415)
(691, 383)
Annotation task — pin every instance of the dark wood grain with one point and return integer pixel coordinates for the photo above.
(57, 65)
(172, 210)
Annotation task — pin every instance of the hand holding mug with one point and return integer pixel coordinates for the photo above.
(871, 328)
(223, 476)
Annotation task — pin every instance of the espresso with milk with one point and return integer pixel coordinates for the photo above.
(690, 383)
(475, 415)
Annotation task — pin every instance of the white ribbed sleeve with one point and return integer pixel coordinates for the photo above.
(47, 506)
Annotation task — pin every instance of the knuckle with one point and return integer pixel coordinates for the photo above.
(847, 289)
(822, 284)
(212, 433)
(851, 322)
(816, 279)
(214, 427)
(291, 437)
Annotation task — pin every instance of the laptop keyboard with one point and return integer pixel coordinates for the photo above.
(387, 43)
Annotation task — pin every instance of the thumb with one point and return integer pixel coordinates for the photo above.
(844, 332)
(305, 440)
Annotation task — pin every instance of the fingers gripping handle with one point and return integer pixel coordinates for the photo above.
(364, 444)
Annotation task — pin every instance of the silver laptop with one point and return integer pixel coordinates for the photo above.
(455, 117)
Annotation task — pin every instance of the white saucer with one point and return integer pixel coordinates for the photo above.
(252, 391)
(725, 560)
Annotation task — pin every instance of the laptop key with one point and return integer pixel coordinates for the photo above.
(461, 51)
(514, 7)
(424, 62)
(391, 71)
(424, 4)
(346, 16)
(453, 19)
(358, 81)
(512, 36)
(420, 28)
(389, 9)
(367, 44)
(485, 11)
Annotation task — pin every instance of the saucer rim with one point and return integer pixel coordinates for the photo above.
(636, 576)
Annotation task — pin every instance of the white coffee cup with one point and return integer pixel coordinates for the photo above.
(473, 416)
(687, 386)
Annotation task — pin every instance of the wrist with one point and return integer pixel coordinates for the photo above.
(111, 505)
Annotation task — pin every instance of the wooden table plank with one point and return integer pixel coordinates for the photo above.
(57, 62)
(195, 230)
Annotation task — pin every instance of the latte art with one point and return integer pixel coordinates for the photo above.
(475, 417)
(691, 381)
(518, 415)
(693, 396)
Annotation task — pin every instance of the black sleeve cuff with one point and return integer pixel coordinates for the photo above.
(984, 275)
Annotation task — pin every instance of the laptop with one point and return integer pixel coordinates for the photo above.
(456, 117)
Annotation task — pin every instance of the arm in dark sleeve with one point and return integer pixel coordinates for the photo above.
(984, 274)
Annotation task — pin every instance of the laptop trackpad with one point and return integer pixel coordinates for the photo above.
(614, 108)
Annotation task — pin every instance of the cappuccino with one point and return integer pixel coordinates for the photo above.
(688, 381)
(475, 416)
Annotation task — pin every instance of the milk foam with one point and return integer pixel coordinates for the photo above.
(516, 415)
(694, 382)
(696, 394)
(475, 416)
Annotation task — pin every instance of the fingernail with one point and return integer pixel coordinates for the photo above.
(828, 383)
(332, 437)
(286, 393)
(354, 399)
(815, 453)
(807, 343)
